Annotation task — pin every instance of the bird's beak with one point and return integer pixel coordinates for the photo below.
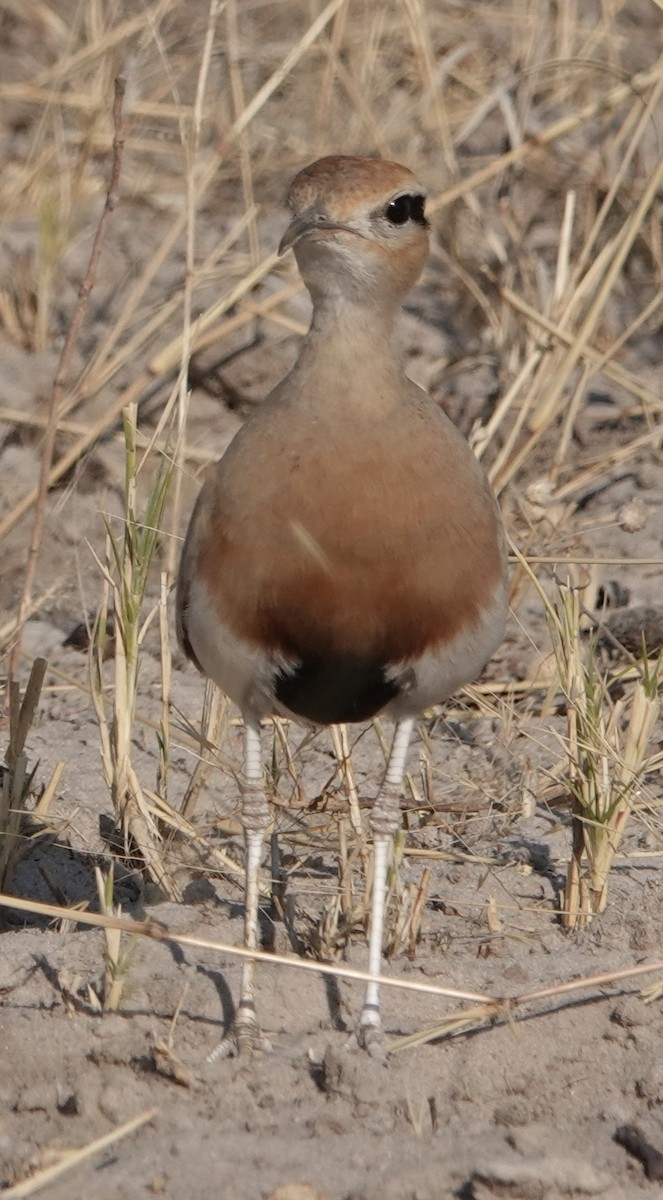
(298, 228)
(310, 222)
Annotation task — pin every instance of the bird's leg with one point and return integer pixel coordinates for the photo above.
(384, 821)
(245, 1035)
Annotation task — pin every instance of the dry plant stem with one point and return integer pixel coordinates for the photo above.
(31, 93)
(604, 765)
(16, 780)
(645, 114)
(213, 720)
(482, 436)
(352, 87)
(186, 741)
(194, 454)
(112, 974)
(638, 86)
(191, 143)
(323, 113)
(557, 378)
(162, 365)
(278, 77)
(62, 373)
(621, 246)
(125, 578)
(21, 712)
(160, 933)
(600, 360)
(506, 1007)
(417, 911)
(166, 663)
(279, 726)
(102, 366)
(493, 1005)
(167, 358)
(161, 811)
(339, 736)
(427, 67)
(239, 104)
(344, 902)
(61, 70)
(564, 250)
(172, 355)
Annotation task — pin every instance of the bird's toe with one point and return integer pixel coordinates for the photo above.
(243, 1039)
(372, 1038)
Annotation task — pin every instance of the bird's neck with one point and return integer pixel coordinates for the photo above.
(353, 346)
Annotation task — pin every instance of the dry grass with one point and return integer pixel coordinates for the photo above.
(538, 131)
(484, 1007)
(68, 1160)
(25, 802)
(125, 573)
(607, 743)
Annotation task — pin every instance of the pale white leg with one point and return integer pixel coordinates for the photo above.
(384, 821)
(245, 1034)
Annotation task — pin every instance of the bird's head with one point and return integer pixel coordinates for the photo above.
(358, 229)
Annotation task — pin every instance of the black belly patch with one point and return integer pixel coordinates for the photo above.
(331, 691)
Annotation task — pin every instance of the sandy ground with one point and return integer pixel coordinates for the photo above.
(524, 1110)
(511, 1110)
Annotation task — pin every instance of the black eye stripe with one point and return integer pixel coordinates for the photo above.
(409, 207)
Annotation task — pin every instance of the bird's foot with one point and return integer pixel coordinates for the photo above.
(371, 1037)
(244, 1039)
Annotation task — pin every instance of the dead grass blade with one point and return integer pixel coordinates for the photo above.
(64, 365)
(170, 356)
(160, 933)
(116, 962)
(73, 1158)
(125, 574)
(484, 1007)
(212, 728)
(16, 779)
(639, 85)
(605, 766)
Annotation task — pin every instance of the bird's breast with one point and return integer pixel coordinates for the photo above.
(347, 559)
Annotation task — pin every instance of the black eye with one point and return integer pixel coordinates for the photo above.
(406, 208)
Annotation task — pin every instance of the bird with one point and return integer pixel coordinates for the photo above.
(345, 558)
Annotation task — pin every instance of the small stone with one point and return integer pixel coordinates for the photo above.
(544, 1175)
(629, 1012)
(333, 1124)
(632, 516)
(650, 1084)
(297, 1191)
(516, 974)
(540, 492)
(631, 628)
(113, 1103)
(516, 1111)
(68, 1101)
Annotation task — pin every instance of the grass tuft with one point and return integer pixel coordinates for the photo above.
(17, 777)
(607, 747)
(126, 571)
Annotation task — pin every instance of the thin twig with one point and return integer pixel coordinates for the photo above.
(161, 933)
(64, 366)
(72, 1158)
